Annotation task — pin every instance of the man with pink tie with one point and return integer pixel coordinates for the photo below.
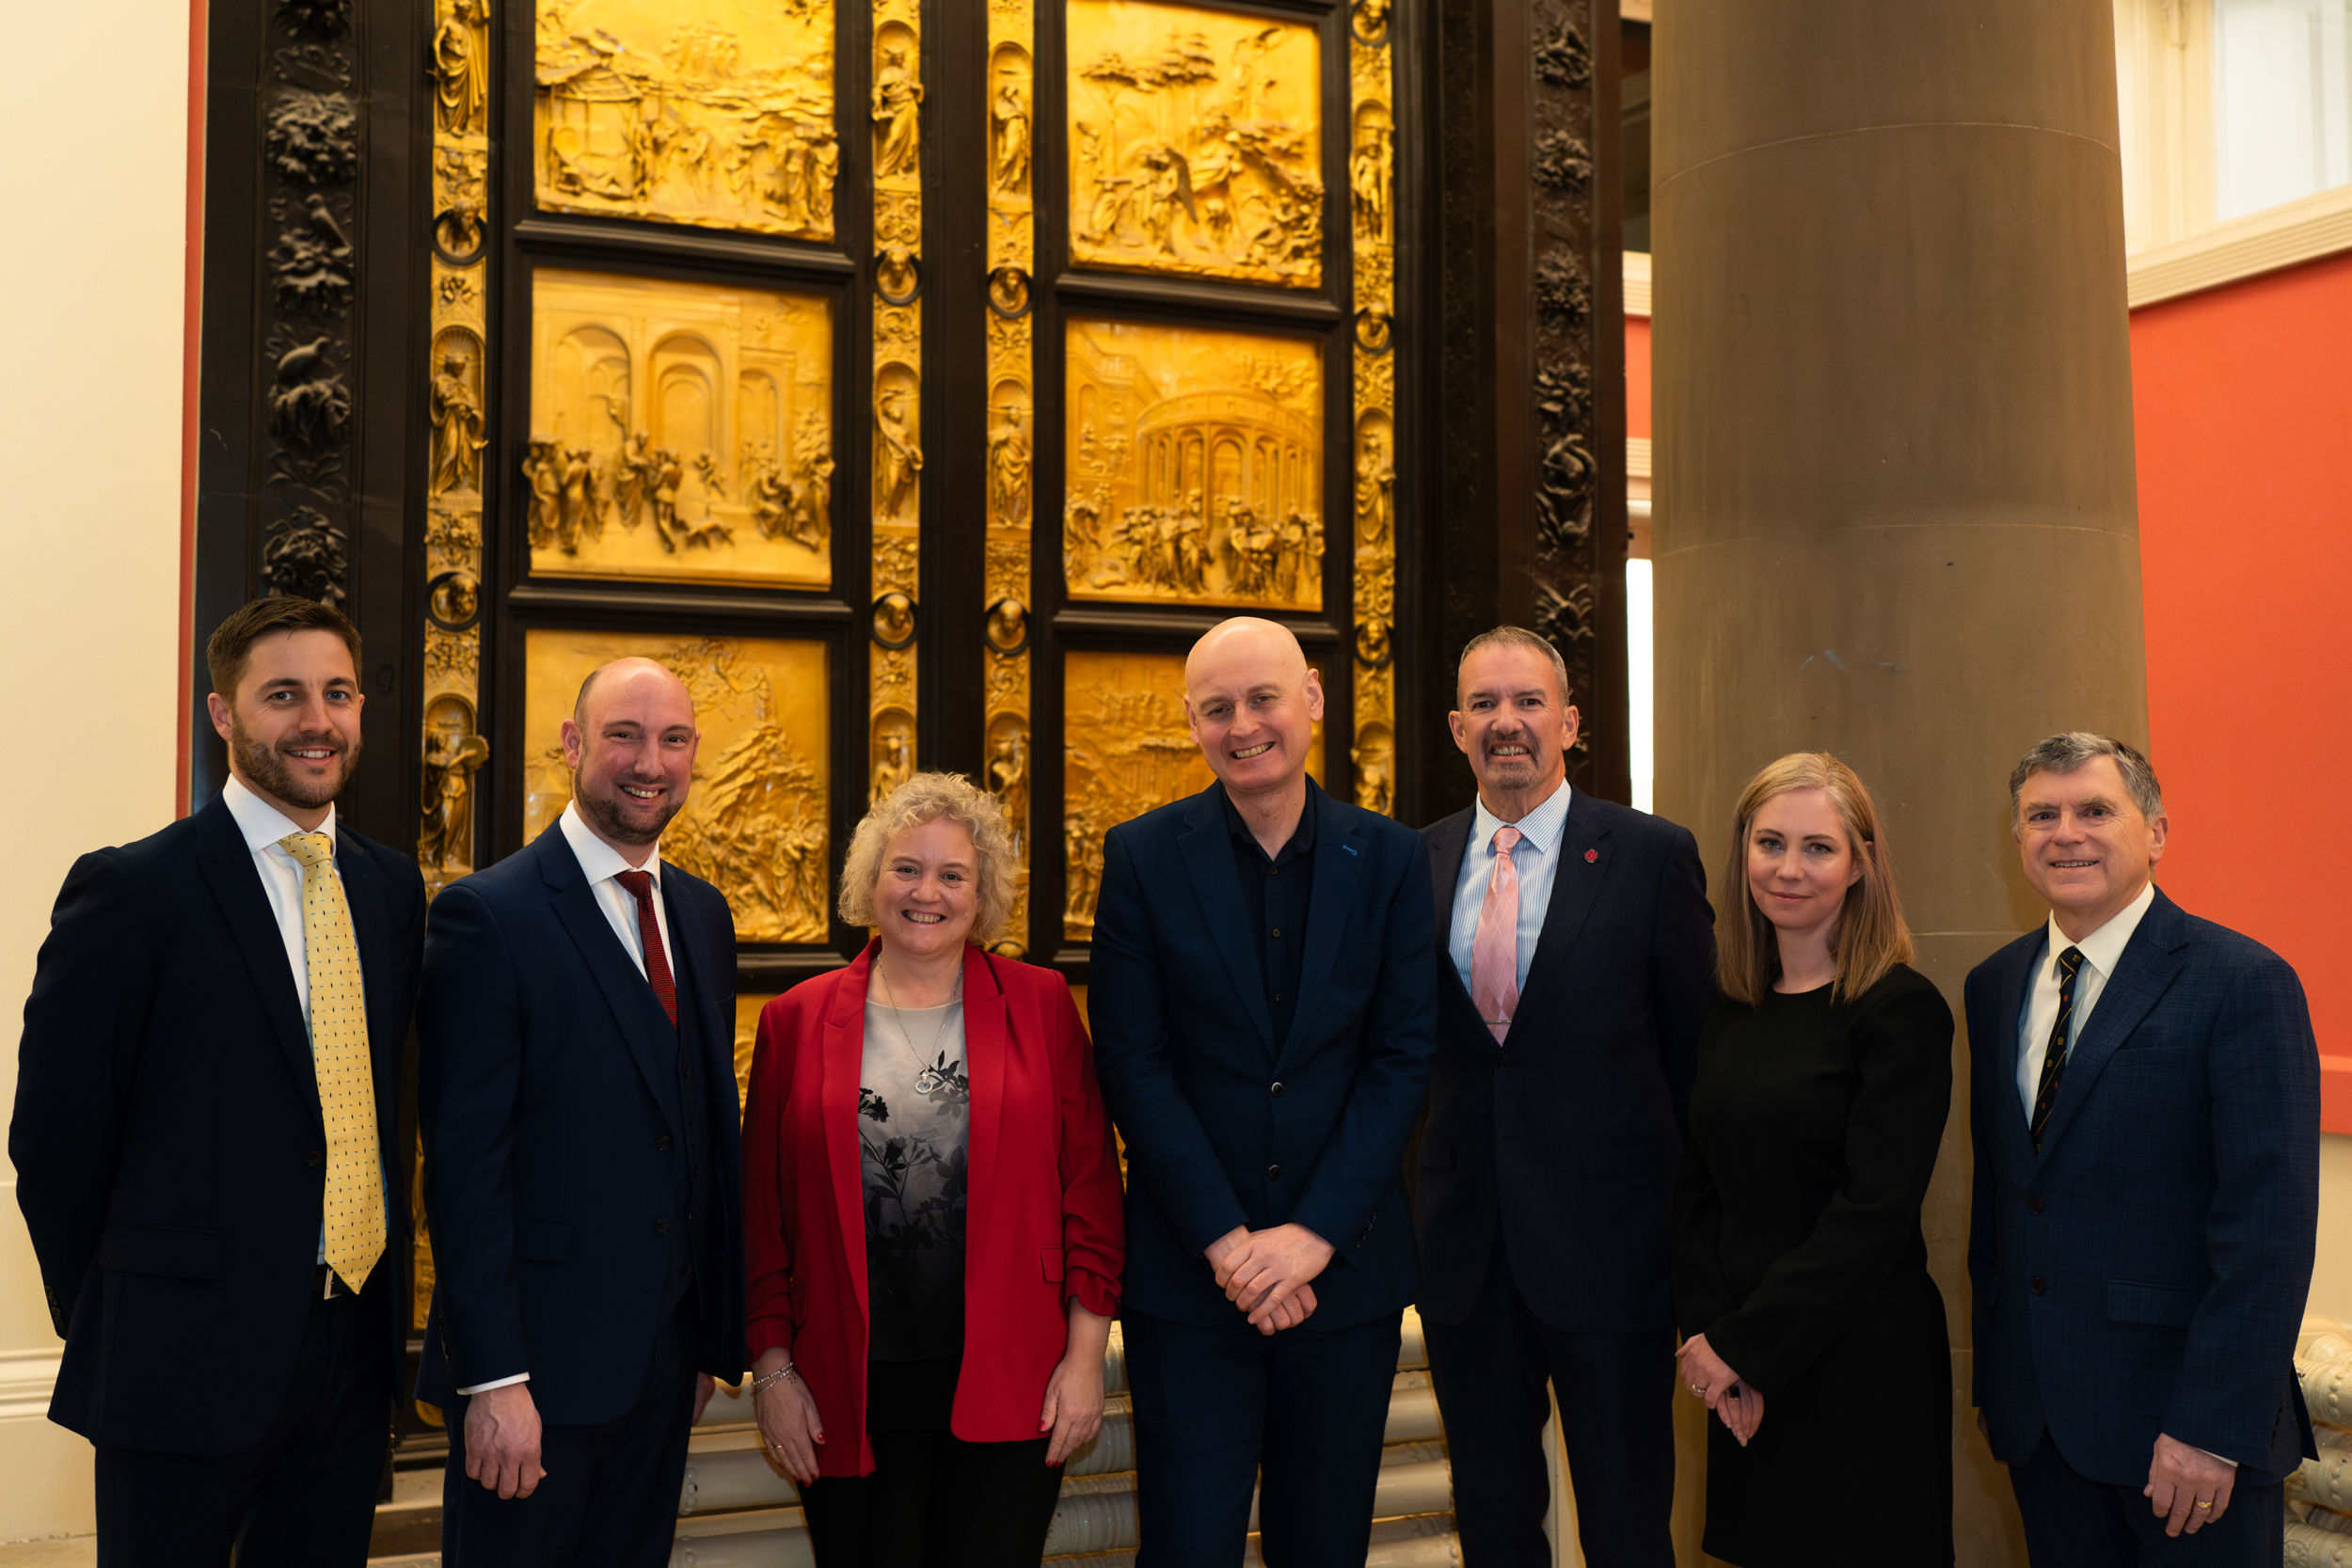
(1576, 956)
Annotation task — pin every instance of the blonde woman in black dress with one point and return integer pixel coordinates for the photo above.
(1812, 1329)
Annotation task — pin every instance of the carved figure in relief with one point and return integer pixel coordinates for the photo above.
(1007, 471)
(1371, 175)
(1376, 488)
(897, 459)
(310, 408)
(893, 768)
(1374, 755)
(668, 475)
(457, 427)
(1009, 778)
(461, 69)
(897, 117)
(446, 799)
(1009, 162)
(312, 263)
(544, 469)
(1082, 866)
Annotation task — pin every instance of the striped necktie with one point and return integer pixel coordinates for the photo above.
(2054, 1053)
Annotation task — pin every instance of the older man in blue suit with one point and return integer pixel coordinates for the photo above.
(2146, 1121)
(1263, 1017)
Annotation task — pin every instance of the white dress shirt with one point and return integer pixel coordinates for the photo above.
(603, 863)
(1536, 858)
(262, 826)
(2102, 950)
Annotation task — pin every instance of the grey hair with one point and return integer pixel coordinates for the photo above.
(1514, 637)
(2063, 754)
(927, 798)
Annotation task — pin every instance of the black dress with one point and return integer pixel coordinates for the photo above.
(1798, 1253)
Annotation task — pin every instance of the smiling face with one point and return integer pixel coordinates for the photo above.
(631, 750)
(293, 726)
(2086, 847)
(929, 891)
(1253, 704)
(1800, 863)
(1514, 726)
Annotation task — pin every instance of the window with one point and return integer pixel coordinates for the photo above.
(2283, 103)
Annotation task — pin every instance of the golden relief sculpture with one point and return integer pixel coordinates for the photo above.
(1195, 143)
(1127, 750)
(757, 820)
(1011, 435)
(1371, 192)
(747, 1011)
(717, 113)
(1193, 465)
(679, 431)
(895, 481)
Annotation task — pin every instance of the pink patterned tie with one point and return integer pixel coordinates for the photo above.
(1495, 951)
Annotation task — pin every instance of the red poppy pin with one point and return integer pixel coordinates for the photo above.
(1591, 855)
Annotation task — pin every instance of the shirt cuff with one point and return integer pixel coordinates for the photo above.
(2209, 1454)
(496, 1382)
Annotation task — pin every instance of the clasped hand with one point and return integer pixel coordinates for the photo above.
(1740, 1406)
(1266, 1272)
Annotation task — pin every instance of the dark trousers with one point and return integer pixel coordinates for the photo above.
(303, 1495)
(611, 1496)
(2075, 1522)
(935, 1502)
(1616, 1423)
(1301, 1412)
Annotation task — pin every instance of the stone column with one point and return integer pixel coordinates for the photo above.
(1895, 514)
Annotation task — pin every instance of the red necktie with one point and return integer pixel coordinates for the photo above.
(640, 884)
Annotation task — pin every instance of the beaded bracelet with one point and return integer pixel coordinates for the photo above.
(779, 1376)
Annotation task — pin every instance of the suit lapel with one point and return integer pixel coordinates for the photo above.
(695, 975)
(1448, 844)
(2009, 986)
(843, 1065)
(986, 1035)
(1339, 866)
(2147, 967)
(625, 990)
(228, 866)
(1576, 884)
(1208, 853)
(371, 933)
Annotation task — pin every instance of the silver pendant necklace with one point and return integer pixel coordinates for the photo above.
(929, 1079)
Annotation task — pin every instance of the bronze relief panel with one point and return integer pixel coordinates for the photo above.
(713, 113)
(1193, 465)
(755, 822)
(1195, 142)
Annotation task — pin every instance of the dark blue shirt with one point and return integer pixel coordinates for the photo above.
(1275, 890)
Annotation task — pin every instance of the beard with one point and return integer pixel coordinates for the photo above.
(273, 776)
(609, 816)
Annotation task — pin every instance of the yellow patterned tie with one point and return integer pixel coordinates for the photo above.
(339, 1054)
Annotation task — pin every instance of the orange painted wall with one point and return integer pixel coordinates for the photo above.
(2242, 399)
(1637, 377)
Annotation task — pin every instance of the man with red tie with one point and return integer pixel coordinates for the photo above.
(577, 1086)
(1576, 956)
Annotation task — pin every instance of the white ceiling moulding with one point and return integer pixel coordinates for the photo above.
(26, 1379)
(2285, 236)
(1636, 10)
(1637, 283)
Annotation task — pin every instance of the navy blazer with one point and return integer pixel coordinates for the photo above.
(1567, 1139)
(2146, 1271)
(168, 1138)
(1225, 1124)
(553, 1148)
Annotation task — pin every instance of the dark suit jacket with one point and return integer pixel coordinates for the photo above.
(1568, 1134)
(1212, 1105)
(553, 1143)
(169, 1145)
(2146, 1271)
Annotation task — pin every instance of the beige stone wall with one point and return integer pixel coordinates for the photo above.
(91, 317)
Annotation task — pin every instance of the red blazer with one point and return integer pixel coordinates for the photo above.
(1042, 1217)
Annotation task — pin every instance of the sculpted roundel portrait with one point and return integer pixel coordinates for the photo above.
(1195, 142)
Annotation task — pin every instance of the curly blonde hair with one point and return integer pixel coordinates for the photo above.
(930, 798)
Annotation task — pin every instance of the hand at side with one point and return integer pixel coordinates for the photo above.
(503, 1441)
(788, 1424)
(2187, 1488)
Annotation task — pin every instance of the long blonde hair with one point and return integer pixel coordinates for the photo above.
(1871, 936)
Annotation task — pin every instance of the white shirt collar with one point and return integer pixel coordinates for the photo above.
(1540, 828)
(2103, 949)
(598, 859)
(263, 824)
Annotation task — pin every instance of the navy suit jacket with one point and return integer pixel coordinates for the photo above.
(1567, 1137)
(549, 1085)
(1212, 1106)
(2146, 1271)
(169, 1145)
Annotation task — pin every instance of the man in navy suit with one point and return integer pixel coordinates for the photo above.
(224, 1250)
(1576, 960)
(1262, 1011)
(2145, 1110)
(577, 1086)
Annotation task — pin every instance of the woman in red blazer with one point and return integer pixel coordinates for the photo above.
(928, 1166)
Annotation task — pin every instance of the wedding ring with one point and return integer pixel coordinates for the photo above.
(2204, 1505)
